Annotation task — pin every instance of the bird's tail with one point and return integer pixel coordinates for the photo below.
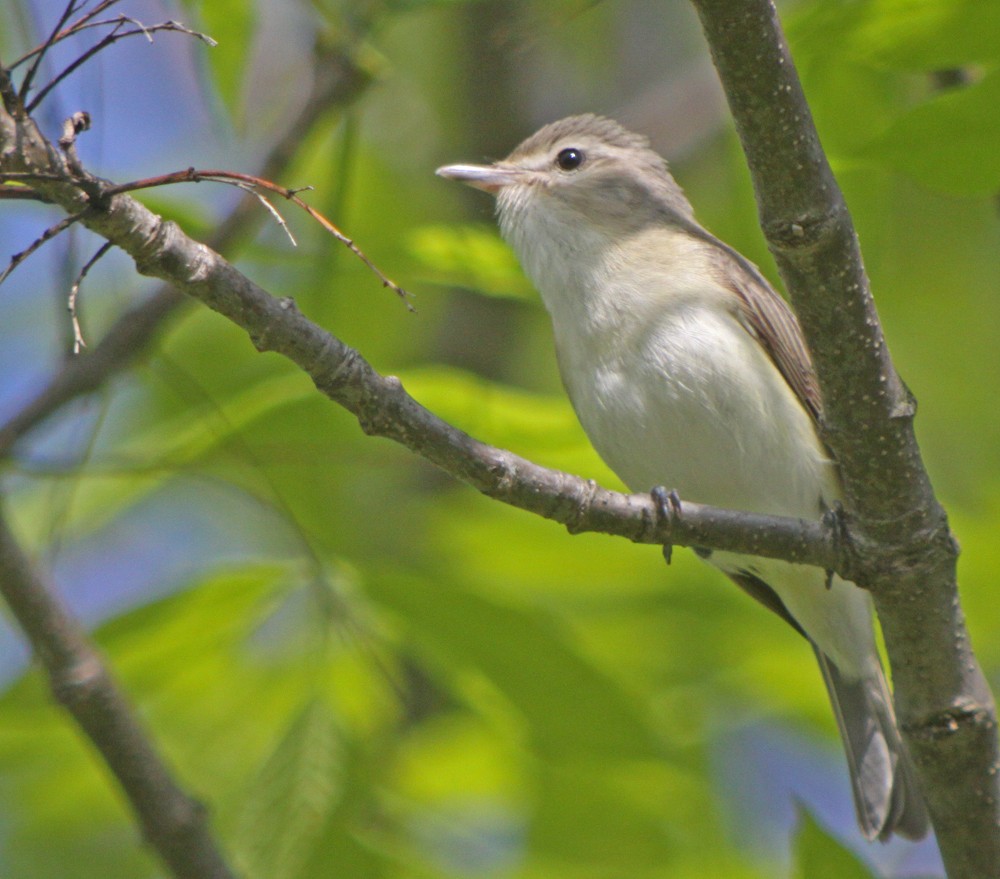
(886, 792)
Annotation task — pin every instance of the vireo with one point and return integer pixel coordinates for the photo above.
(688, 371)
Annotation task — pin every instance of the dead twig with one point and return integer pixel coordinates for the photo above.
(80, 24)
(109, 39)
(78, 341)
(271, 209)
(47, 235)
(29, 77)
(77, 123)
(252, 184)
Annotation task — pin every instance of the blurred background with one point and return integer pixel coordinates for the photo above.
(364, 668)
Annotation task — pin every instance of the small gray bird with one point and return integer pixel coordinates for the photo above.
(688, 371)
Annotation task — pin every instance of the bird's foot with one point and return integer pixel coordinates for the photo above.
(668, 507)
(835, 521)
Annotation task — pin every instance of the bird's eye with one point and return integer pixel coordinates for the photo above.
(569, 159)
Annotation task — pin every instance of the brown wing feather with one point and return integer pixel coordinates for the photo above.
(769, 319)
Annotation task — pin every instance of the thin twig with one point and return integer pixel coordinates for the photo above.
(74, 125)
(111, 38)
(78, 342)
(339, 82)
(250, 182)
(24, 193)
(29, 77)
(271, 209)
(47, 235)
(146, 31)
(80, 24)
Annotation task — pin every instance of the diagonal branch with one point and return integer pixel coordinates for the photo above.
(340, 80)
(84, 22)
(901, 531)
(173, 823)
(29, 77)
(117, 33)
(50, 233)
(160, 249)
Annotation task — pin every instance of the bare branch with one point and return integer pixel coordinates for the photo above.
(74, 125)
(47, 235)
(340, 81)
(78, 342)
(252, 183)
(78, 25)
(29, 77)
(173, 822)
(21, 193)
(117, 33)
(383, 408)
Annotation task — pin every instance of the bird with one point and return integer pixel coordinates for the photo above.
(687, 370)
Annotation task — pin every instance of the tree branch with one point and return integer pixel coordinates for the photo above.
(907, 554)
(160, 249)
(340, 80)
(172, 822)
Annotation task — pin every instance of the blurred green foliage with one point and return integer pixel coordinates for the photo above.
(818, 856)
(420, 682)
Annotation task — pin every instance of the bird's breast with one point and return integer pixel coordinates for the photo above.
(685, 398)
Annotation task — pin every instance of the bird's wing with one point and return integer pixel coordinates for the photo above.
(768, 318)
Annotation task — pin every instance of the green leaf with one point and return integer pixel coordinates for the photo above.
(819, 856)
(900, 35)
(469, 256)
(927, 34)
(292, 795)
(951, 142)
(509, 417)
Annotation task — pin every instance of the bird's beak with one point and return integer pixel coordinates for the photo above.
(489, 178)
